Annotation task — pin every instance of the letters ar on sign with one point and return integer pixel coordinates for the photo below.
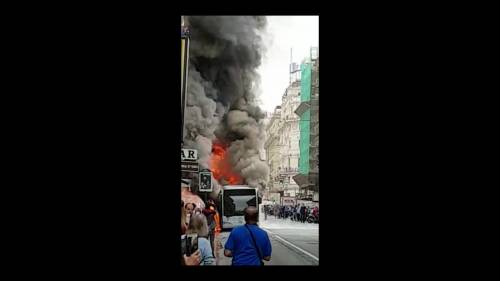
(189, 154)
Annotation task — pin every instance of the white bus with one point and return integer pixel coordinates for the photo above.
(234, 199)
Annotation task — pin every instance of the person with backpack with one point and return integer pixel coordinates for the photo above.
(248, 244)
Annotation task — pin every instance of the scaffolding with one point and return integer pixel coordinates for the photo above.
(308, 111)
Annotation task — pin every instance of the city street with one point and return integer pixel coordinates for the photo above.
(293, 243)
(244, 146)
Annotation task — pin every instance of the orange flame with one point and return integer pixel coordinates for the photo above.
(221, 166)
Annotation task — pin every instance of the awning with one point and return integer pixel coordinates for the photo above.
(303, 107)
(302, 180)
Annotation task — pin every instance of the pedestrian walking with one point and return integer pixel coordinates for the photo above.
(194, 259)
(198, 225)
(315, 213)
(248, 244)
(299, 217)
(210, 212)
(302, 213)
(189, 211)
(183, 219)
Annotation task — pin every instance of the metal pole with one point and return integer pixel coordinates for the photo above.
(185, 73)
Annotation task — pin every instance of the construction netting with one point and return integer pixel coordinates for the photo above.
(305, 118)
(305, 82)
(305, 121)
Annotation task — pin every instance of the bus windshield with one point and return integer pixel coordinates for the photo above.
(235, 201)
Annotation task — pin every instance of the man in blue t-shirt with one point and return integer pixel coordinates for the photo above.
(240, 245)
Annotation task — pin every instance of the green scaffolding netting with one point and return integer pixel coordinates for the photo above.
(305, 82)
(305, 96)
(304, 142)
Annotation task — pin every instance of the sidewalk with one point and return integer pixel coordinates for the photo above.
(220, 241)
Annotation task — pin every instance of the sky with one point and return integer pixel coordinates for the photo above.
(284, 32)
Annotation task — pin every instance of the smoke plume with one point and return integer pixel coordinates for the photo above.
(225, 52)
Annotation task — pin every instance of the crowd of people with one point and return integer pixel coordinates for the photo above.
(298, 212)
(205, 222)
(247, 244)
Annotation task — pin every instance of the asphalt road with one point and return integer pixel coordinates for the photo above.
(292, 243)
(287, 254)
(305, 247)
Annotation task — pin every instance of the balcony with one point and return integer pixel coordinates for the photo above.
(289, 170)
(303, 107)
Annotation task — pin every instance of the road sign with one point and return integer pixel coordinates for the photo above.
(187, 166)
(205, 182)
(189, 154)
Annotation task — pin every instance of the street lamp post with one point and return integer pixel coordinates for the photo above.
(184, 71)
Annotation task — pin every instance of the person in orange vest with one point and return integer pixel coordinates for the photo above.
(217, 222)
(210, 211)
(217, 232)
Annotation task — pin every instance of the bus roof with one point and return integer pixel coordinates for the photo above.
(233, 187)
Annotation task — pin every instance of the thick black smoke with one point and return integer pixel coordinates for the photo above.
(225, 52)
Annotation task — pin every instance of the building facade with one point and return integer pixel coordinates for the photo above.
(289, 160)
(283, 139)
(308, 110)
(273, 149)
(282, 144)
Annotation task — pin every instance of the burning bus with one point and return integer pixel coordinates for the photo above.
(234, 199)
(235, 196)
